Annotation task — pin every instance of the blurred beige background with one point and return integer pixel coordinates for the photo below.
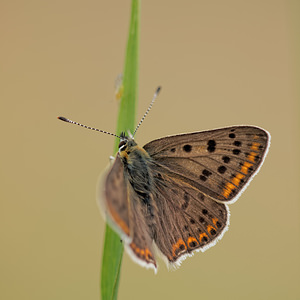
(219, 63)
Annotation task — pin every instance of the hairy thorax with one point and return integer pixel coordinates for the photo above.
(137, 163)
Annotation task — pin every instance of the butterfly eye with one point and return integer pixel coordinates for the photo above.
(122, 145)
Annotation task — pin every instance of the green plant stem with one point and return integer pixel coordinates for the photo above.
(113, 247)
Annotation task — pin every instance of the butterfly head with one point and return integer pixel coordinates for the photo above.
(126, 143)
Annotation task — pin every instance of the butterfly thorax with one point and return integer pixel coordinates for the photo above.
(137, 163)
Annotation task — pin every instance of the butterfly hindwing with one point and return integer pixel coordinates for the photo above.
(187, 220)
(218, 162)
(140, 247)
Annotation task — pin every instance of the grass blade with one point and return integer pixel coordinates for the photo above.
(113, 248)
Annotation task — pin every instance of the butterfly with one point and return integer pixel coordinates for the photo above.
(170, 197)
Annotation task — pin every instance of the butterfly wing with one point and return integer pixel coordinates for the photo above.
(128, 215)
(140, 249)
(116, 199)
(187, 220)
(219, 163)
(196, 174)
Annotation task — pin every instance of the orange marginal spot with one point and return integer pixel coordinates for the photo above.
(245, 167)
(148, 254)
(256, 137)
(202, 235)
(135, 248)
(192, 240)
(255, 146)
(237, 179)
(119, 221)
(177, 246)
(209, 228)
(215, 220)
(145, 253)
(251, 156)
(228, 189)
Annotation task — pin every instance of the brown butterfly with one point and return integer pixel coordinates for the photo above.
(170, 197)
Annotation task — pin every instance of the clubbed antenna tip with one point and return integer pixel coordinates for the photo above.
(87, 127)
(63, 119)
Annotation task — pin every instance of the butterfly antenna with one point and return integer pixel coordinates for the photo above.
(88, 127)
(147, 111)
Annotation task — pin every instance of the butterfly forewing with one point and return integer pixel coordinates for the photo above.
(128, 215)
(218, 162)
(116, 198)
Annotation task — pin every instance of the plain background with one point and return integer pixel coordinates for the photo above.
(219, 63)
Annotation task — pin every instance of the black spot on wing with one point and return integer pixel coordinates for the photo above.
(187, 148)
(226, 159)
(236, 151)
(211, 146)
(222, 169)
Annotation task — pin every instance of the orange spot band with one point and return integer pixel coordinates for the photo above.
(245, 167)
(228, 189)
(209, 228)
(192, 240)
(215, 220)
(177, 246)
(251, 156)
(255, 146)
(202, 235)
(144, 253)
(118, 220)
(237, 179)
